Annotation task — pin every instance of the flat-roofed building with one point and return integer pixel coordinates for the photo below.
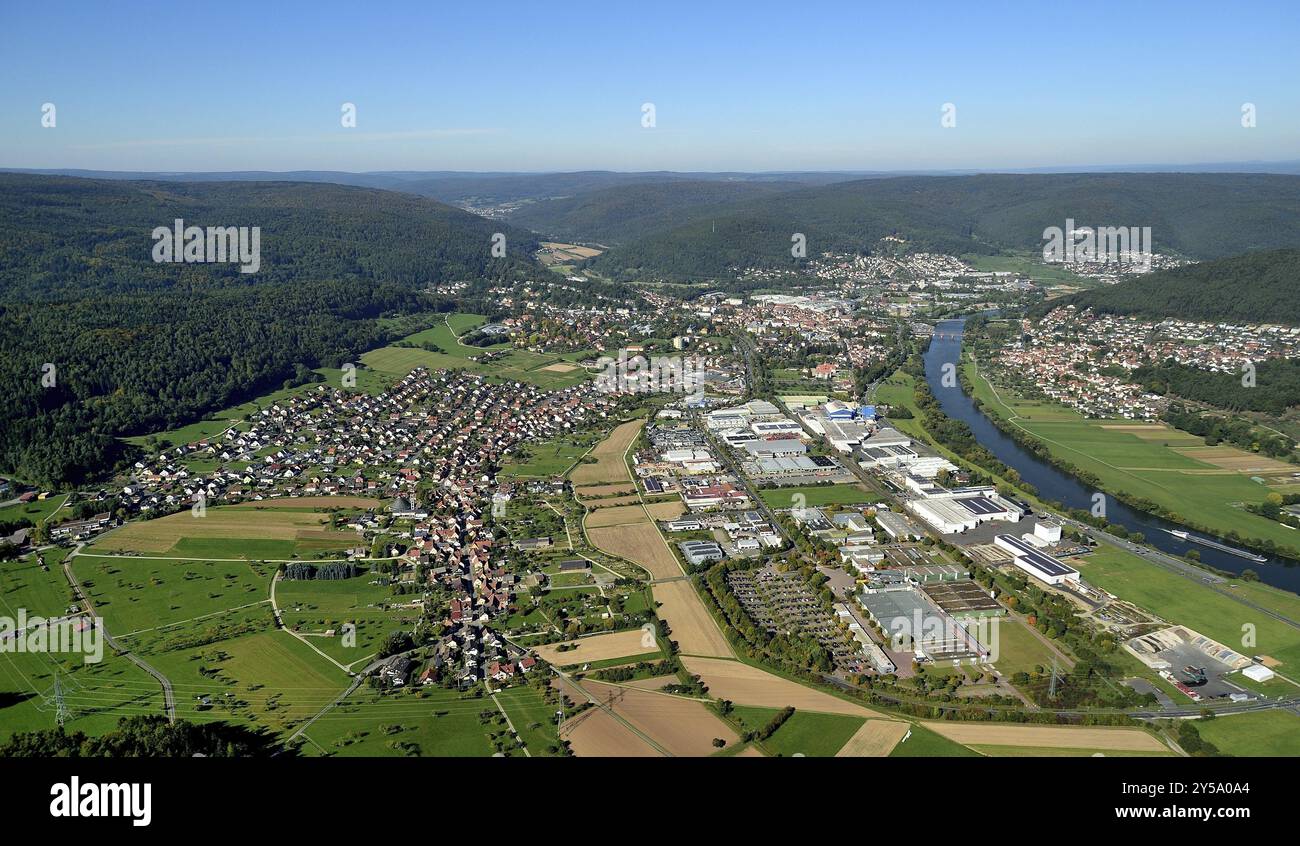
(1038, 564)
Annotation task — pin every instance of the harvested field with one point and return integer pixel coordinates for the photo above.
(666, 510)
(616, 516)
(1152, 432)
(609, 465)
(747, 685)
(1060, 737)
(692, 626)
(605, 490)
(876, 739)
(1239, 461)
(596, 734)
(639, 543)
(681, 727)
(600, 647)
(226, 522)
(559, 367)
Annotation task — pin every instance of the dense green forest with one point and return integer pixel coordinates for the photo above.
(1276, 388)
(1201, 216)
(1256, 287)
(146, 737)
(139, 345)
(623, 214)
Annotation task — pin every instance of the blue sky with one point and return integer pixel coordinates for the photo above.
(559, 86)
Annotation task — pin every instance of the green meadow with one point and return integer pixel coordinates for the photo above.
(133, 594)
(819, 495)
(1269, 734)
(1018, 649)
(312, 607)
(266, 678)
(1182, 600)
(1145, 467)
(923, 743)
(425, 722)
(533, 718)
(811, 734)
(545, 459)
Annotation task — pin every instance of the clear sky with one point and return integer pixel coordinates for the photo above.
(560, 86)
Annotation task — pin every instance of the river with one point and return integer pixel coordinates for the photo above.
(1055, 484)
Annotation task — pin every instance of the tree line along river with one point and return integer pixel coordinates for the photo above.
(1054, 484)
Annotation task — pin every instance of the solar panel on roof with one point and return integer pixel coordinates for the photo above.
(980, 505)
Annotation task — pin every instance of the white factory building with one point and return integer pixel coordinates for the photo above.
(951, 512)
(1038, 564)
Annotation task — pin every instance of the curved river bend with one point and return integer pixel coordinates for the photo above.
(1055, 484)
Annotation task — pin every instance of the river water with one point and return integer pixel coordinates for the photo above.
(1055, 484)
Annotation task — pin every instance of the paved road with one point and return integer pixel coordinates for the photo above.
(1208, 579)
(169, 697)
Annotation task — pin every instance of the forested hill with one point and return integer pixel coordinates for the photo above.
(623, 214)
(1261, 287)
(1199, 215)
(139, 345)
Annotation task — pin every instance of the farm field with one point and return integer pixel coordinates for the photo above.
(745, 684)
(998, 751)
(1264, 733)
(533, 718)
(876, 739)
(1155, 464)
(96, 695)
(818, 495)
(134, 594)
(266, 678)
(640, 543)
(1053, 737)
(597, 733)
(615, 515)
(669, 510)
(1018, 649)
(428, 722)
(545, 459)
(600, 647)
(313, 606)
(803, 733)
(682, 727)
(924, 743)
(616, 491)
(608, 465)
(23, 584)
(1184, 601)
(265, 531)
(692, 626)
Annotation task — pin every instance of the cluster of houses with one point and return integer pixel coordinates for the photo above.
(1080, 358)
(429, 428)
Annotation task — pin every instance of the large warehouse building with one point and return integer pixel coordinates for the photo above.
(1038, 564)
(951, 512)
